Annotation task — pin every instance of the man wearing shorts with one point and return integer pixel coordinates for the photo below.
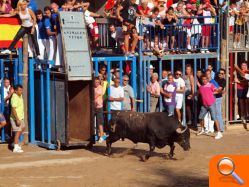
(207, 91)
(17, 116)
(180, 89)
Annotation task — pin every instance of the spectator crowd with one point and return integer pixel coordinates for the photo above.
(169, 27)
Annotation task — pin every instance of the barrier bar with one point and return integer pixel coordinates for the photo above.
(42, 106)
(31, 101)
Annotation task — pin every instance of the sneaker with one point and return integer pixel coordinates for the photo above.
(202, 51)
(247, 45)
(207, 51)
(6, 51)
(218, 136)
(201, 132)
(17, 149)
(189, 47)
(101, 140)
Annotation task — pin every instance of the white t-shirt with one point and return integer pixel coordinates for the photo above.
(89, 18)
(180, 83)
(116, 92)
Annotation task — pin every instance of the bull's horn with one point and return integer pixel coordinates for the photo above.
(180, 131)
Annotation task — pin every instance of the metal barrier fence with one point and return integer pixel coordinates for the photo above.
(172, 63)
(11, 69)
(40, 135)
(183, 33)
(117, 62)
(183, 36)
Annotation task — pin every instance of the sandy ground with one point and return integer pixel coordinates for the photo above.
(81, 167)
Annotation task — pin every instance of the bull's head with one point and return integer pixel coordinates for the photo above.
(183, 137)
(113, 125)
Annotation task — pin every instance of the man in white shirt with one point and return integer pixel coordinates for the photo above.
(180, 89)
(116, 96)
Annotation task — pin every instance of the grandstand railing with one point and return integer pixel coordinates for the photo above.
(180, 31)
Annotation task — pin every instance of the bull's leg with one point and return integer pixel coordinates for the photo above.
(148, 155)
(108, 146)
(172, 148)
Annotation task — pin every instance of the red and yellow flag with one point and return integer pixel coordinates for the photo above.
(8, 30)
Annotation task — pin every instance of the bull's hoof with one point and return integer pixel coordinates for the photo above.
(171, 156)
(144, 158)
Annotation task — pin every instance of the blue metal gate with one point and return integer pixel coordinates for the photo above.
(12, 69)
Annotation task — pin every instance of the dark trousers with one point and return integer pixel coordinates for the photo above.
(21, 32)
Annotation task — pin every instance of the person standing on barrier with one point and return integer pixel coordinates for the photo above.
(220, 79)
(169, 93)
(206, 10)
(98, 100)
(207, 91)
(180, 83)
(154, 90)
(51, 33)
(17, 117)
(129, 98)
(127, 13)
(28, 19)
(116, 96)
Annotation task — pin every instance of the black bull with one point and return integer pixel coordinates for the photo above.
(156, 129)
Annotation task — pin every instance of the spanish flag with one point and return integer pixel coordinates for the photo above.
(8, 30)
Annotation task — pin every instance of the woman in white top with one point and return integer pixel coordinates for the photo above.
(28, 19)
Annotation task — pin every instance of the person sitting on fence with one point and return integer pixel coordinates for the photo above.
(169, 22)
(206, 10)
(127, 13)
(28, 19)
(169, 92)
(17, 117)
(5, 7)
(154, 89)
(207, 91)
(162, 8)
(93, 27)
(129, 97)
(180, 83)
(98, 100)
(116, 96)
(118, 36)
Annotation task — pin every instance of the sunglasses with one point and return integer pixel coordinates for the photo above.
(126, 80)
(179, 74)
(221, 73)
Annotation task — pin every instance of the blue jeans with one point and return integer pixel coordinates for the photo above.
(218, 105)
(171, 109)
